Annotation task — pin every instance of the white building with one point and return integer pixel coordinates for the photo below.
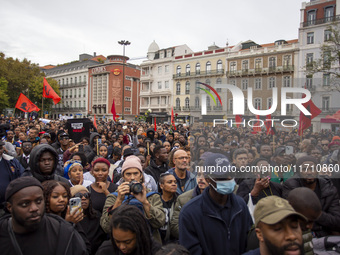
(316, 17)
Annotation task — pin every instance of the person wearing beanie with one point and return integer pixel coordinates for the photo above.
(73, 171)
(307, 176)
(28, 230)
(149, 202)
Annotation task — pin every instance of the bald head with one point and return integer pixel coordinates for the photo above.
(303, 199)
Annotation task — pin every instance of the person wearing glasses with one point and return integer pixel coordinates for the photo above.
(91, 221)
(185, 179)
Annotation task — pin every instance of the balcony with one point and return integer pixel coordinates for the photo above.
(260, 71)
(73, 85)
(329, 110)
(186, 75)
(321, 21)
(146, 77)
(185, 108)
(217, 108)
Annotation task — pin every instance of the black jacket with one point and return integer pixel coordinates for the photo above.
(89, 151)
(156, 171)
(34, 169)
(330, 218)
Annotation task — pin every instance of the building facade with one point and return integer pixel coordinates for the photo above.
(156, 93)
(107, 82)
(316, 18)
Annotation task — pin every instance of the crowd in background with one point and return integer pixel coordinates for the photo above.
(144, 189)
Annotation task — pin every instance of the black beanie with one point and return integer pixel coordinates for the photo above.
(19, 184)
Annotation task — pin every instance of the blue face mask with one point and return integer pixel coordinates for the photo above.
(224, 187)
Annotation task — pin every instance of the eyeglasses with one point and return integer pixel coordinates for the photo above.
(80, 195)
(181, 158)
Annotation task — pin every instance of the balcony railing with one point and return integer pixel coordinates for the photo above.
(320, 21)
(260, 71)
(74, 84)
(330, 110)
(198, 74)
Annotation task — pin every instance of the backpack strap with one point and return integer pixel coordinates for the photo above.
(13, 239)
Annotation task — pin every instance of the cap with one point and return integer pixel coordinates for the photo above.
(77, 188)
(132, 162)
(217, 166)
(63, 134)
(128, 152)
(273, 209)
(46, 134)
(19, 184)
(279, 150)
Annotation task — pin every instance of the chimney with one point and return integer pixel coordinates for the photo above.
(94, 54)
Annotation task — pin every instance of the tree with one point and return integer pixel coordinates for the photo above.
(329, 61)
(3, 94)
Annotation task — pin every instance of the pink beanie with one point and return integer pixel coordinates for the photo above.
(132, 162)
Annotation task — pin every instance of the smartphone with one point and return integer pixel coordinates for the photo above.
(289, 150)
(81, 148)
(75, 204)
(99, 141)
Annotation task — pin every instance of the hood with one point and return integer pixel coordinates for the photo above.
(151, 136)
(92, 136)
(35, 156)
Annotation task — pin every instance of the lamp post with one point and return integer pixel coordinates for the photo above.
(124, 43)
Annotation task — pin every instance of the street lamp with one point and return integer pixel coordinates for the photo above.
(124, 43)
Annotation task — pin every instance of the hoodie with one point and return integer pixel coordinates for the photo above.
(34, 168)
(88, 150)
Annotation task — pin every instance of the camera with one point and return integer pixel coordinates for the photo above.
(136, 187)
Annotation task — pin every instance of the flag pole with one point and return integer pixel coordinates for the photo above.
(42, 107)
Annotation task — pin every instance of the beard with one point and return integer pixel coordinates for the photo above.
(29, 226)
(274, 250)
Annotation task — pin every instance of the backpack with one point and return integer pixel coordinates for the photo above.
(327, 245)
(131, 200)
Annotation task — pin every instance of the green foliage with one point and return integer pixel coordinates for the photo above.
(3, 94)
(23, 77)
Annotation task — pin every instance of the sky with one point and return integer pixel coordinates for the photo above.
(56, 32)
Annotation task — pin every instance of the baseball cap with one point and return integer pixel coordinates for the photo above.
(64, 134)
(217, 166)
(272, 209)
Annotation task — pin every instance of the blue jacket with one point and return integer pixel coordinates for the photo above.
(190, 183)
(203, 231)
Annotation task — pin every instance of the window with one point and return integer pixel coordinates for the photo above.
(207, 82)
(75, 80)
(63, 81)
(84, 103)
(272, 82)
(286, 81)
(197, 87)
(272, 63)
(198, 68)
(232, 67)
(218, 104)
(309, 81)
(166, 84)
(219, 66)
(178, 71)
(166, 69)
(159, 85)
(258, 65)
(128, 99)
(233, 82)
(127, 88)
(230, 105)
(245, 65)
(310, 38)
(71, 104)
(127, 109)
(159, 70)
(246, 104)
(257, 103)
(329, 13)
(327, 59)
(187, 69)
(80, 79)
(244, 84)
(178, 88)
(158, 101)
(178, 103)
(258, 83)
(269, 102)
(84, 92)
(79, 92)
(187, 88)
(309, 59)
(327, 35)
(208, 67)
(66, 80)
(325, 102)
(187, 103)
(71, 80)
(79, 104)
(326, 79)
(287, 61)
(75, 104)
(219, 81)
(311, 16)
(197, 102)
(208, 100)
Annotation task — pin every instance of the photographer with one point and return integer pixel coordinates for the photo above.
(132, 191)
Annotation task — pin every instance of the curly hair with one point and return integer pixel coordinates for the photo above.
(130, 218)
(48, 187)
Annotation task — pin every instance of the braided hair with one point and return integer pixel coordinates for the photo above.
(48, 187)
(130, 218)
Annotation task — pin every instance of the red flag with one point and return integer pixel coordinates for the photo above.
(238, 119)
(48, 92)
(25, 105)
(155, 124)
(306, 121)
(113, 110)
(173, 118)
(95, 122)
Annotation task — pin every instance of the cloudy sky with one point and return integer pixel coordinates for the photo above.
(56, 32)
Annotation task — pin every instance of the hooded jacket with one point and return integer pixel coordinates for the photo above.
(156, 171)
(34, 168)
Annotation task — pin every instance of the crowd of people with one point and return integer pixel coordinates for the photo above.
(148, 189)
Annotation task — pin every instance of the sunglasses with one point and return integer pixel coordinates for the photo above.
(80, 195)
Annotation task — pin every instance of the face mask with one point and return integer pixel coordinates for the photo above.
(224, 187)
